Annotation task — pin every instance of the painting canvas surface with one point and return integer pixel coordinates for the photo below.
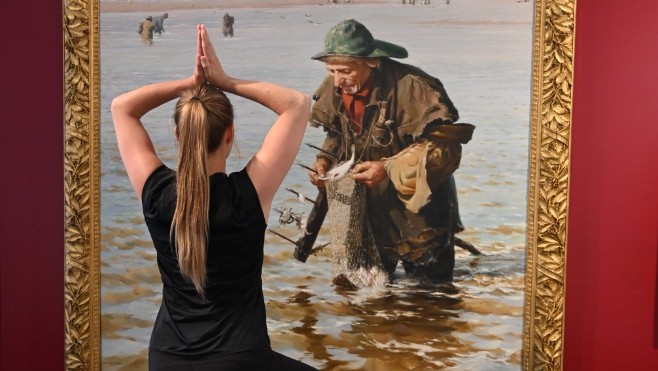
(480, 50)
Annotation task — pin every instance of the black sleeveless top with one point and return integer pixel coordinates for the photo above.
(231, 316)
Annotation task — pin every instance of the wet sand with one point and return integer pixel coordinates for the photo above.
(167, 5)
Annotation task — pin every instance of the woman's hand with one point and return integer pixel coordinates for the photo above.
(198, 77)
(210, 64)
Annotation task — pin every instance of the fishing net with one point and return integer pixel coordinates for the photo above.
(356, 262)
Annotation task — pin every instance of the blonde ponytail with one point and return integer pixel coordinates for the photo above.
(202, 115)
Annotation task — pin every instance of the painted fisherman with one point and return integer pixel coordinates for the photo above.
(158, 23)
(145, 30)
(407, 144)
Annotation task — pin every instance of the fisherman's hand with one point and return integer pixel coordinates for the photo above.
(369, 173)
(210, 63)
(322, 165)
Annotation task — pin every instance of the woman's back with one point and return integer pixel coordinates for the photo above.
(213, 313)
(230, 317)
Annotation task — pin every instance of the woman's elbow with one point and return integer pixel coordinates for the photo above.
(299, 105)
(117, 106)
(122, 109)
(307, 104)
(296, 103)
(304, 105)
(301, 102)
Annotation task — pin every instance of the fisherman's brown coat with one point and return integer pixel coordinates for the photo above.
(409, 122)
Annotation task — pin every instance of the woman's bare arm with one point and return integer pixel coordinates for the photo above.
(135, 146)
(271, 163)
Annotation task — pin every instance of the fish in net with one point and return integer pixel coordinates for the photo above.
(356, 261)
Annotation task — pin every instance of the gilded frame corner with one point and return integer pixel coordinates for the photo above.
(548, 197)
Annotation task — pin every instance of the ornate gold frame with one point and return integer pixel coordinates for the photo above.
(552, 85)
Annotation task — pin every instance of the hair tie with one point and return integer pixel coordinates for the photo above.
(203, 105)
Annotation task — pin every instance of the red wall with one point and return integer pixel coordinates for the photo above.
(31, 186)
(613, 212)
(613, 221)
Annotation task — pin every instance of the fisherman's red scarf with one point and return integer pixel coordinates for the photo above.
(354, 104)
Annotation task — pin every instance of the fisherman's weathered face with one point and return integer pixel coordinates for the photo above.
(349, 76)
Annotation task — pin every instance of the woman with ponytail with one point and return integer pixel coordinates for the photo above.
(207, 226)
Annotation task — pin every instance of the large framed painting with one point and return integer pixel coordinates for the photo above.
(507, 67)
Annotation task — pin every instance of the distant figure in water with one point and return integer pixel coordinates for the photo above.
(145, 29)
(227, 25)
(158, 23)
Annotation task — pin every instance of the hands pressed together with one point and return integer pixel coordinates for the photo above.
(208, 68)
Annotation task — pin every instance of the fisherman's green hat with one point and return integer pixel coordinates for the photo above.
(351, 38)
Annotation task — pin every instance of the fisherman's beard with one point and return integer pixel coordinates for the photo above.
(351, 89)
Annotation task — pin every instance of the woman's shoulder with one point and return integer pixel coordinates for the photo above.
(240, 175)
(242, 184)
(238, 182)
(161, 176)
(156, 185)
(237, 193)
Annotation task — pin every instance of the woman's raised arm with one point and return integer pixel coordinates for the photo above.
(135, 146)
(271, 163)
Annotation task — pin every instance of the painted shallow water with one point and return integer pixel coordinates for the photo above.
(481, 50)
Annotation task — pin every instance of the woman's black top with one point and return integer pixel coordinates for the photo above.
(231, 316)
